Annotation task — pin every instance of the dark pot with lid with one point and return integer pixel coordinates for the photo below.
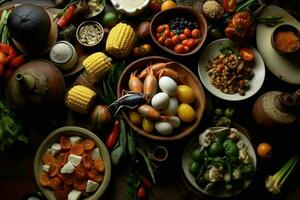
(35, 85)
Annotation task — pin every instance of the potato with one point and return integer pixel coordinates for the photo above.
(143, 31)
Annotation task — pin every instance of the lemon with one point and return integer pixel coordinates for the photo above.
(147, 125)
(185, 94)
(186, 113)
(135, 118)
(168, 4)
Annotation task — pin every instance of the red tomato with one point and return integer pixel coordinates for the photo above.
(161, 39)
(167, 33)
(182, 36)
(186, 49)
(191, 43)
(141, 192)
(247, 54)
(187, 32)
(175, 39)
(179, 48)
(168, 42)
(195, 33)
(185, 42)
(229, 6)
(160, 29)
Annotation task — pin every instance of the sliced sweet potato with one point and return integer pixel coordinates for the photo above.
(65, 143)
(88, 144)
(67, 179)
(54, 169)
(80, 172)
(94, 175)
(44, 179)
(61, 194)
(80, 184)
(55, 183)
(48, 159)
(87, 161)
(77, 149)
(62, 158)
(99, 165)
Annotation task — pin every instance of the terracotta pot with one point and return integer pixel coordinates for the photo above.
(35, 84)
(275, 109)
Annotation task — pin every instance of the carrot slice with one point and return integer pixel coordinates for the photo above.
(55, 183)
(65, 143)
(88, 144)
(54, 169)
(61, 194)
(99, 165)
(77, 149)
(80, 172)
(95, 176)
(67, 179)
(80, 184)
(63, 158)
(44, 179)
(87, 161)
(48, 159)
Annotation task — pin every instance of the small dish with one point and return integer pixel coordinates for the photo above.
(72, 131)
(219, 192)
(130, 8)
(191, 80)
(189, 14)
(285, 39)
(89, 33)
(211, 51)
(95, 8)
(211, 13)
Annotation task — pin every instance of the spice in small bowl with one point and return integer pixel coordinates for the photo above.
(89, 33)
(213, 9)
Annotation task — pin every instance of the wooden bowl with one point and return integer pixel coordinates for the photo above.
(187, 12)
(285, 27)
(191, 80)
(84, 134)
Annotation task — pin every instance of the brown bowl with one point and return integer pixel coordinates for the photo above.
(187, 12)
(285, 28)
(191, 80)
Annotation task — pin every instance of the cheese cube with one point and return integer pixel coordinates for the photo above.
(95, 154)
(51, 152)
(91, 186)
(74, 195)
(68, 168)
(74, 159)
(46, 168)
(75, 140)
(56, 147)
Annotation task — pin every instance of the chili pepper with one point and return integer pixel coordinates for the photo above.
(9, 53)
(113, 135)
(146, 182)
(141, 192)
(64, 20)
(17, 62)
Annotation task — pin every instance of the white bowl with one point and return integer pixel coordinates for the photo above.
(129, 10)
(211, 51)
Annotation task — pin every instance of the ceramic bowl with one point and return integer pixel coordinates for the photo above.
(96, 7)
(130, 9)
(285, 28)
(84, 134)
(85, 41)
(220, 191)
(189, 13)
(190, 79)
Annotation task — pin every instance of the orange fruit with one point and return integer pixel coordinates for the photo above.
(168, 4)
(264, 150)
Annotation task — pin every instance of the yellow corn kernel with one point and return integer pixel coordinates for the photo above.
(80, 98)
(96, 65)
(120, 40)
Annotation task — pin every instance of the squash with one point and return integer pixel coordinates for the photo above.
(29, 24)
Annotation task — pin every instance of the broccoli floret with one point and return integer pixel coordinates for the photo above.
(231, 148)
(247, 170)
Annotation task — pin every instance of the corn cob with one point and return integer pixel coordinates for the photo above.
(80, 98)
(120, 40)
(96, 65)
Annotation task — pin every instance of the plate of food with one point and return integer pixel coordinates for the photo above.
(231, 71)
(285, 68)
(221, 162)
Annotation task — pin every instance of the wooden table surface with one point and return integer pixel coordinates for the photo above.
(16, 163)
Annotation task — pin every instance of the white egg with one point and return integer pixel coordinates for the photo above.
(167, 85)
(160, 100)
(164, 128)
(175, 121)
(172, 107)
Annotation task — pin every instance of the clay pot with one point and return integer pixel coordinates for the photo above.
(275, 109)
(35, 85)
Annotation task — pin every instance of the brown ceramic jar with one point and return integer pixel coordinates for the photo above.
(275, 109)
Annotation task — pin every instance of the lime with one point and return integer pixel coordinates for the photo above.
(194, 168)
(215, 149)
(186, 113)
(197, 155)
(185, 94)
(109, 19)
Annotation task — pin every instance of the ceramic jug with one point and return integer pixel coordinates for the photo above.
(276, 109)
